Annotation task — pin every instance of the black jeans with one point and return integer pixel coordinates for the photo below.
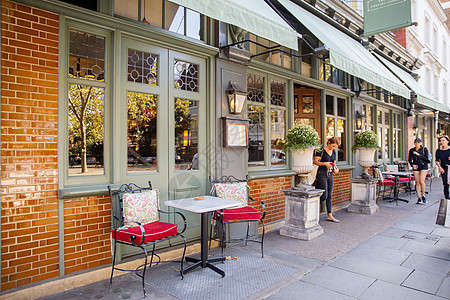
(445, 181)
(325, 182)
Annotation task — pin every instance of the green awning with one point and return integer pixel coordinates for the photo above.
(423, 98)
(346, 53)
(255, 16)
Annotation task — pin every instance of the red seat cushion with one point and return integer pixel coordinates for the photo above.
(386, 182)
(246, 213)
(412, 178)
(428, 175)
(153, 231)
(403, 179)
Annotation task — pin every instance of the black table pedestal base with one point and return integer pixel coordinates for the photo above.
(198, 263)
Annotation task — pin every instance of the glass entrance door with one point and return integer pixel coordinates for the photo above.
(164, 134)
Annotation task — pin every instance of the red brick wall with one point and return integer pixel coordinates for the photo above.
(342, 187)
(87, 227)
(29, 205)
(269, 191)
(400, 36)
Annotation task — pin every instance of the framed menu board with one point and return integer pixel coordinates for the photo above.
(235, 132)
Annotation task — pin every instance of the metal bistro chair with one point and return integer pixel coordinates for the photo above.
(382, 182)
(230, 187)
(136, 223)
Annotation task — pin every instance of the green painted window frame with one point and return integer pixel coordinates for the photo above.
(267, 166)
(66, 181)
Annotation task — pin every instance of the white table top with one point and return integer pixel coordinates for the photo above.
(397, 173)
(210, 203)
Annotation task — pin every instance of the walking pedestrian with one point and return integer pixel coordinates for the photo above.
(418, 159)
(325, 159)
(442, 162)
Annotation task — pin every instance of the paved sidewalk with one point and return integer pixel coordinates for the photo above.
(397, 253)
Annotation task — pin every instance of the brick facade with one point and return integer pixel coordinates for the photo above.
(87, 228)
(269, 191)
(29, 205)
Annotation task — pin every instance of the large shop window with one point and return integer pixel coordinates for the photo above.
(266, 110)
(397, 136)
(383, 121)
(86, 104)
(336, 123)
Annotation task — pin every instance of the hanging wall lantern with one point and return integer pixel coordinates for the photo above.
(236, 97)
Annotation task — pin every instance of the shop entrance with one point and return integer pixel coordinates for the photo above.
(307, 107)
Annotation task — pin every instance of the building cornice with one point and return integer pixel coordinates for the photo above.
(438, 10)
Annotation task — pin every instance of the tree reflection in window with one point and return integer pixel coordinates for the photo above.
(186, 135)
(142, 129)
(86, 129)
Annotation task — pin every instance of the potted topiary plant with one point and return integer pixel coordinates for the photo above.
(366, 143)
(301, 140)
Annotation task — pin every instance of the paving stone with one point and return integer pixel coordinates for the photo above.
(444, 242)
(389, 255)
(444, 290)
(423, 281)
(394, 232)
(341, 281)
(407, 224)
(303, 290)
(376, 269)
(422, 237)
(388, 291)
(386, 242)
(442, 231)
(428, 264)
(426, 249)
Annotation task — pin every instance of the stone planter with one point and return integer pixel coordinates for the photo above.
(363, 196)
(366, 158)
(302, 214)
(303, 165)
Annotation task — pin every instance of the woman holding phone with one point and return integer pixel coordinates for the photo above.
(325, 159)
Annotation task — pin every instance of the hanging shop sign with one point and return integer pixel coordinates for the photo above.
(386, 15)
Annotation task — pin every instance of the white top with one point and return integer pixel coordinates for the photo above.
(210, 203)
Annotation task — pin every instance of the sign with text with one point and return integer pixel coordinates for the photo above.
(385, 15)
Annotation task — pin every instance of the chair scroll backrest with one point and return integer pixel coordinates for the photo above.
(391, 168)
(132, 204)
(229, 187)
(378, 174)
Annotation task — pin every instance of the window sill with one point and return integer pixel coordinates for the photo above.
(262, 174)
(85, 191)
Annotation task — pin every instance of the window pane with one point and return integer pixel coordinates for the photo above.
(142, 138)
(380, 142)
(174, 17)
(277, 134)
(86, 56)
(342, 155)
(329, 105)
(341, 107)
(186, 134)
(330, 127)
(255, 88)
(277, 93)
(142, 67)
(86, 130)
(386, 143)
(185, 76)
(193, 24)
(255, 135)
(387, 118)
(379, 116)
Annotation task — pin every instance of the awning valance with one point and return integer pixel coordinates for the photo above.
(346, 53)
(255, 16)
(423, 97)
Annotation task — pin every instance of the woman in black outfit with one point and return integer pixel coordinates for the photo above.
(418, 159)
(325, 158)
(442, 162)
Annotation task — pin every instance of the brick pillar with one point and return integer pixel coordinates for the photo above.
(29, 188)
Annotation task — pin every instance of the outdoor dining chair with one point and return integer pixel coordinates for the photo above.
(137, 223)
(382, 182)
(230, 187)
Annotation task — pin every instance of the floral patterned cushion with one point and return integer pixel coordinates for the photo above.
(237, 191)
(141, 207)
